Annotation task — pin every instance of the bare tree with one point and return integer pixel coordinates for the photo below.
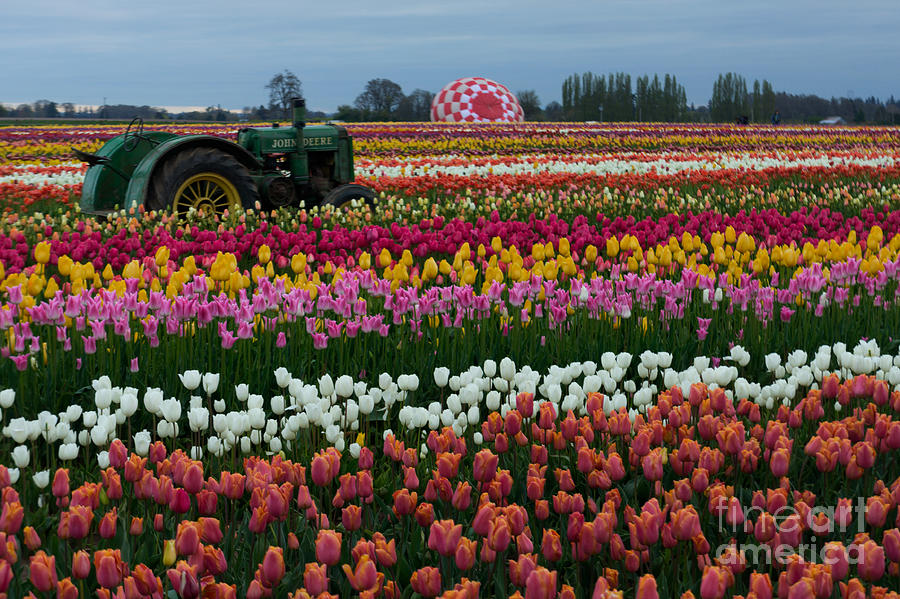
(282, 87)
(416, 106)
(530, 103)
(380, 98)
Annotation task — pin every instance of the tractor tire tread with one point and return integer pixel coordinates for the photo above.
(165, 183)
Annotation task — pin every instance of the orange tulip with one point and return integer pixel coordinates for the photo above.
(108, 524)
(315, 578)
(81, 565)
(465, 553)
(272, 567)
(364, 577)
(426, 581)
(43, 571)
(646, 588)
(32, 540)
(444, 536)
(541, 584)
(328, 547)
(551, 545)
(109, 567)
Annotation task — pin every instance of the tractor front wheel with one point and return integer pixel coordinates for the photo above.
(344, 195)
(204, 179)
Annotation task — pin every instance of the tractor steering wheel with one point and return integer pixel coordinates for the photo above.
(132, 138)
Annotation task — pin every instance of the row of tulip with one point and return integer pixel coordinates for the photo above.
(359, 321)
(706, 238)
(523, 502)
(330, 410)
(429, 139)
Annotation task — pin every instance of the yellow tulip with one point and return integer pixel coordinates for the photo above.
(298, 262)
(162, 256)
(406, 258)
(365, 261)
(590, 253)
(430, 270)
(264, 254)
(42, 252)
(612, 247)
(384, 258)
(564, 248)
(496, 244)
(537, 252)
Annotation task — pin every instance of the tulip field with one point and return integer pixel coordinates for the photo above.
(554, 360)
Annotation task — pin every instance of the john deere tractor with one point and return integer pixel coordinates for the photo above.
(275, 166)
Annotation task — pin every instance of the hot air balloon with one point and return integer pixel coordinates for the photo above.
(474, 100)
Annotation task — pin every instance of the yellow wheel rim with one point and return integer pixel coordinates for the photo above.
(207, 192)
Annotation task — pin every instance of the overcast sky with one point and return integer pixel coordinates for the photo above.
(206, 52)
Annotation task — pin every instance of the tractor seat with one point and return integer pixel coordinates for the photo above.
(91, 159)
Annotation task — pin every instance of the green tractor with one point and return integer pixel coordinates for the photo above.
(275, 166)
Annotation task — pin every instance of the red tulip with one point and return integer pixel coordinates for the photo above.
(81, 564)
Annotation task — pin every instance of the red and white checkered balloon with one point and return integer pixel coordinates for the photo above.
(474, 100)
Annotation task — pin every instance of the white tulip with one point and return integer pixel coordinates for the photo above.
(507, 369)
(455, 383)
(103, 398)
(102, 383)
(129, 405)
(257, 417)
(73, 412)
(210, 382)
(490, 368)
(103, 459)
(7, 398)
(343, 386)
(198, 419)
(245, 445)
(478, 438)
(366, 404)
(171, 409)
(242, 391)
(277, 403)
(190, 379)
(326, 386)
(384, 381)
(282, 377)
(447, 417)
(492, 401)
(275, 445)
(213, 445)
(17, 429)
(441, 376)
(41, 479)
(473, 416)
(153, 399)
(21, 456)
(142, 443)
(332, 432)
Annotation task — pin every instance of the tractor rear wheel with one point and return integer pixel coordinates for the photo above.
(343, 195)
(205, 179)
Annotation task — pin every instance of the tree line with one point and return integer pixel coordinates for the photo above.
(615, 97)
